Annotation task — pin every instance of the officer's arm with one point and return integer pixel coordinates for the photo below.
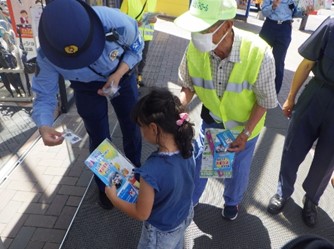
(45, 88)
(133, 42)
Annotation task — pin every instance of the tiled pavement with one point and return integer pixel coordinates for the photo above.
(41, 196)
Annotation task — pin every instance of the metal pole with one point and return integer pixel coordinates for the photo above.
(303, 23)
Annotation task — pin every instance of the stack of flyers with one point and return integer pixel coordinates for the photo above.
(217, 161)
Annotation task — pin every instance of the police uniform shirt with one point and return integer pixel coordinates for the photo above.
(319, 48)
(129, 46)
(282, 12)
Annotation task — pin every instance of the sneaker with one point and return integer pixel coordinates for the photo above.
(104, 201)
(230, 212)
(140, 80)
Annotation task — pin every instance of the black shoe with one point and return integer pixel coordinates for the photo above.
(309, 212)
(104, 201)
(276, 204)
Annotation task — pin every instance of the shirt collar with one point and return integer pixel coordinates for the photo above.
(234, 56)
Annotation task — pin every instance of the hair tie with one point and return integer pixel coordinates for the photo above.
(183, 117)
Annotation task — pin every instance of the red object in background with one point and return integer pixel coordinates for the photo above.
(314, 12)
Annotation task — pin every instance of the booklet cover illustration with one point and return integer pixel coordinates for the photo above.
(112, 167)
(217, 162)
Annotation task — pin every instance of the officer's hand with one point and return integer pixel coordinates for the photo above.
(287, 108)
(276, 3)
(239, 143)
(50, 136)
(112, 81)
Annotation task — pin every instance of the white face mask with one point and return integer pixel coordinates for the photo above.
(204, 43)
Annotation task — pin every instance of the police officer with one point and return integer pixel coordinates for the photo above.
(277, 29)
(312, 118)
(94, 48)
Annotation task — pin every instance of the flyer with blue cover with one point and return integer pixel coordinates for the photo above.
(112, 167)
(217, 162)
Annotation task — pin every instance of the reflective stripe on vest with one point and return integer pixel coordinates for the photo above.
(147, 31)
(235, 107)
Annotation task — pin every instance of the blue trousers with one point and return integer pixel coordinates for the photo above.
(312, 119)
(235, 187)
(278, 36)
(93, 109)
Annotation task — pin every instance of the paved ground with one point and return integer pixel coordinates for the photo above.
(41, 196)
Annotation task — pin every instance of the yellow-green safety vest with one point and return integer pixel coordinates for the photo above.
(134, 7)
(235, 106)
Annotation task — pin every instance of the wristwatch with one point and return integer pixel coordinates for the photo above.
(246, 132)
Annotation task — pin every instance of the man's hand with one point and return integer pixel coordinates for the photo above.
(153, 19)
(287, 108)
(50, 136)
(239, 143)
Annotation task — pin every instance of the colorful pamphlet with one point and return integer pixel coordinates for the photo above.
(113, 168)
(217, 162)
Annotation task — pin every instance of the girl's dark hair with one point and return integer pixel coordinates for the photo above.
(160, 106)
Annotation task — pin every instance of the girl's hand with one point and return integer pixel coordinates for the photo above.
(111, 192)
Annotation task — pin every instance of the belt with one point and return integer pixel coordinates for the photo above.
(324, 83)
(278, 22)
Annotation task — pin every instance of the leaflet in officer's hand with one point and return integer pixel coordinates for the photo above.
(71, 137)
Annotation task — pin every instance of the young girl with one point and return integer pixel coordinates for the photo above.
(167, 177)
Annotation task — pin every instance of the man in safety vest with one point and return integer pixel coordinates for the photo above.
(233, 74)
(141, 11)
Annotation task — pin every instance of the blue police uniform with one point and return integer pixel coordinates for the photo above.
(312, 119)
(126, 47)
(276, 31)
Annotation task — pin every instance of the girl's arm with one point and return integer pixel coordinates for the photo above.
(140, 210)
